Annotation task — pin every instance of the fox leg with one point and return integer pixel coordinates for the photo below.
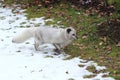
(36, 45)
(57, 48)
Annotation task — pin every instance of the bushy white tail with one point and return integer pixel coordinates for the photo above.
(28, 33)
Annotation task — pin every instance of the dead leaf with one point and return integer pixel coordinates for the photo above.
(118, 44)
(100, 43)
(67, 72)
(97, 49)
(84, 37)
(105, 75)
(108, 48)
(104, 39)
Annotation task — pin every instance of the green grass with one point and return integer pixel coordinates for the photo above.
(88, 47)
(32, 13)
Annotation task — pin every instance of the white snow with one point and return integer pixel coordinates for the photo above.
(22, 62)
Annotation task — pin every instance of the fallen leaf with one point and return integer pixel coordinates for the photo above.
(67, 72)
(84, 37)
(118, 44)
(104, 75)
(108, 48)
(104, 39)
(100, 43)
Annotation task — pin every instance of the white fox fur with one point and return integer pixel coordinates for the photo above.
(57, 36)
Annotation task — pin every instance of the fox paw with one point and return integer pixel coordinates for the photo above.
(57, 51)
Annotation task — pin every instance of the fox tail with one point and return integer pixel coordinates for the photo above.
(25, 35)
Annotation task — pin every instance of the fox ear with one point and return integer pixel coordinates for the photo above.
(68, 30)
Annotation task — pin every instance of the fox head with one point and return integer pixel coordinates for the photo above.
(71, 33)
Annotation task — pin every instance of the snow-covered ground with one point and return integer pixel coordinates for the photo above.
(22, 62)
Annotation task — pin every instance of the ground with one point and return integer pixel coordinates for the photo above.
(22, 62)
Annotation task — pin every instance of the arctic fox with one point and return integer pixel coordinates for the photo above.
(59, 37)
